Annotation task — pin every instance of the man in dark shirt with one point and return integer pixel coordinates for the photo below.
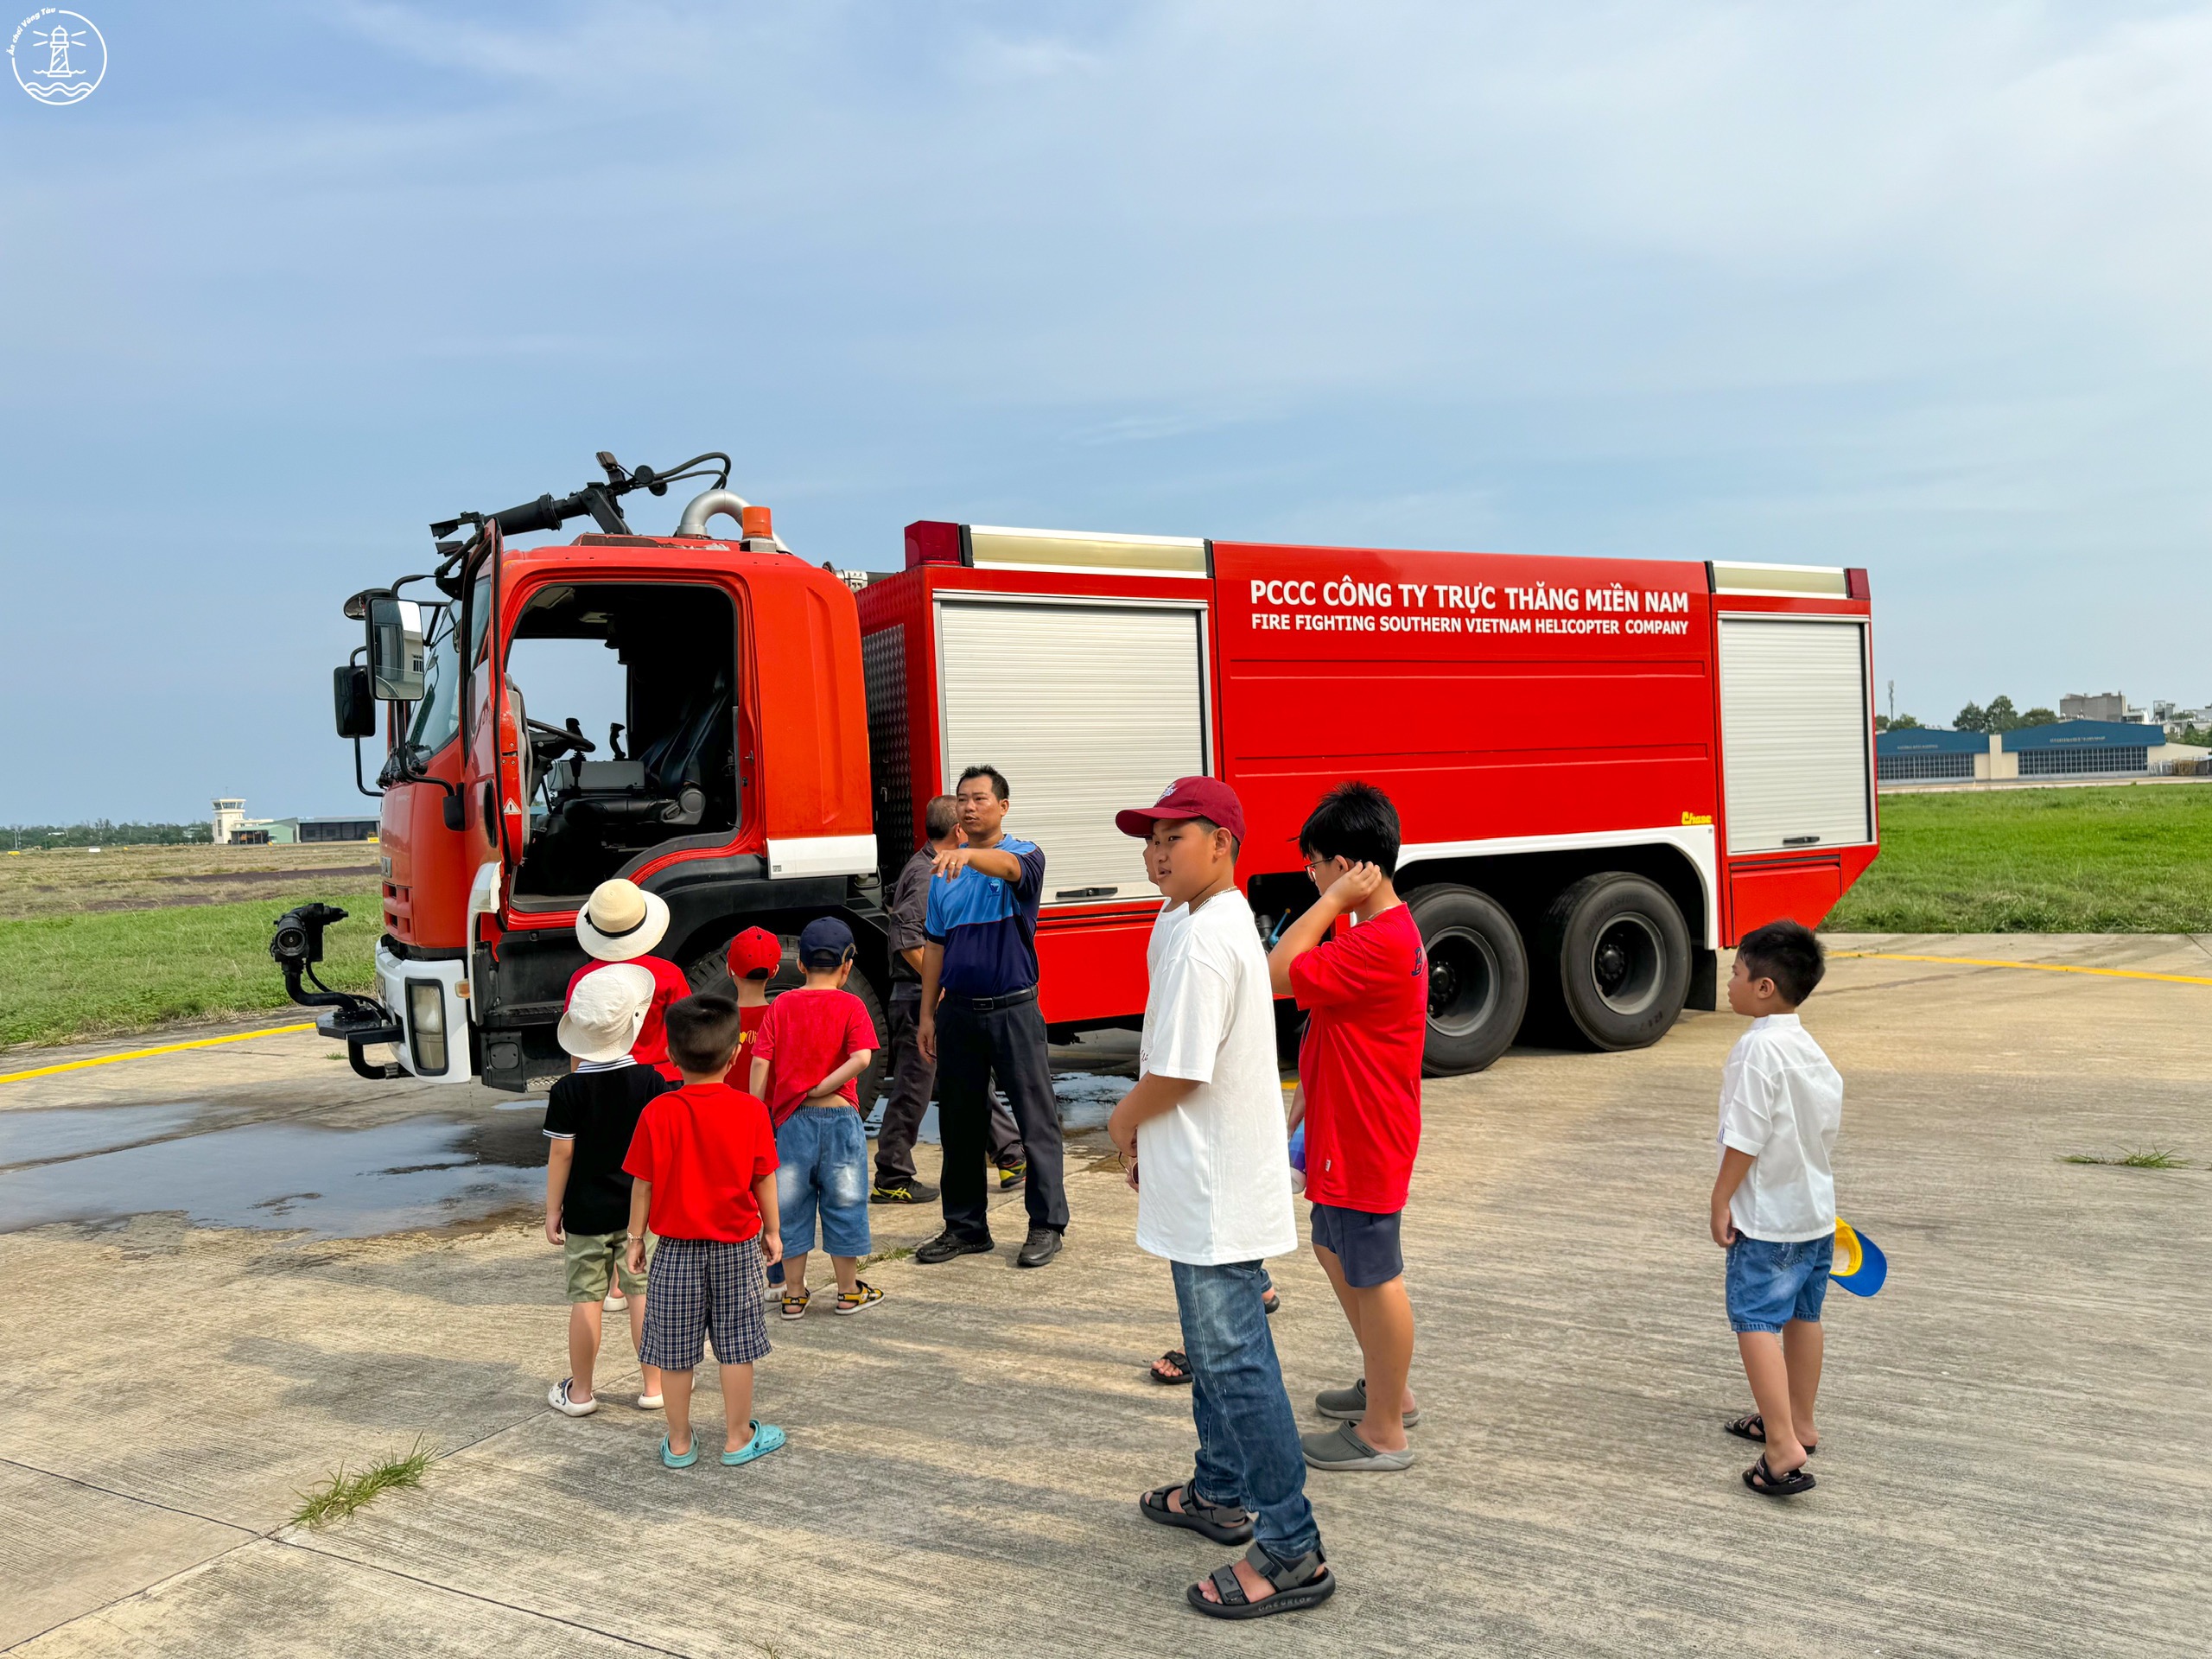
(979, 1016)
(913, 1074)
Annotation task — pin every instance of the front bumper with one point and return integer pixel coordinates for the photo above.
(427, 1024)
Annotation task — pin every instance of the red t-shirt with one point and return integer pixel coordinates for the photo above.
(668, 986)
(1367, 994)
(702, 1147)
(740, 1075)
(807, 1035)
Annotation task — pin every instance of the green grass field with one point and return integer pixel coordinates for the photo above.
(91, 974)
(2042, 861)
(2126, 860)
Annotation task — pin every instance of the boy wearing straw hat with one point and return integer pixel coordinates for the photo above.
(621, 922)
(590, 1116)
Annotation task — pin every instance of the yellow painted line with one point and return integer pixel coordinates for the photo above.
(142, 1053)
(1978, 962)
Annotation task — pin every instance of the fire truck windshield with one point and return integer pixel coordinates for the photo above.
(437, 717)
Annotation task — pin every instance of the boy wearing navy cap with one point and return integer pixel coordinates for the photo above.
(807, 1059)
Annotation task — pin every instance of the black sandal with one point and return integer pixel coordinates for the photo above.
(1225, 1524)
(1305, 1582)
(1177, 1362)
(1763, 1481)
(1753, 1428)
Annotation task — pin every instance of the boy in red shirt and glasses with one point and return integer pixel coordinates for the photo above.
(1366, 999)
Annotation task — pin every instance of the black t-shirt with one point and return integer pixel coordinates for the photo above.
(599, 1110)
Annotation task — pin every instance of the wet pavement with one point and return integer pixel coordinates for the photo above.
(332, 1156)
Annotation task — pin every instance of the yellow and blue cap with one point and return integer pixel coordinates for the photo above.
(1860, 1265)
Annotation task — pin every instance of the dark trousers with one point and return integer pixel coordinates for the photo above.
(970, 1046)
(912, 1077)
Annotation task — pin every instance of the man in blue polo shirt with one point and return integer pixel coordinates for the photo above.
(979, 1016)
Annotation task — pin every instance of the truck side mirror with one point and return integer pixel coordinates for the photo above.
(355, 708)
(395, 662)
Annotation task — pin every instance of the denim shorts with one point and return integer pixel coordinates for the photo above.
(1365, 1245)
(1770, 1283)
(824, 1154)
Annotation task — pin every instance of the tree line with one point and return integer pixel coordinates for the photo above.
(102, 832)
(1999, 716)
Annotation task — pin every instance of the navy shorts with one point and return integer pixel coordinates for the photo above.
(1771, 1282)
(698, 1286)
(1365, 1245)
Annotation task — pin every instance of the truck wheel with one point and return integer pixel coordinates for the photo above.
(1477, 978)
(710, 972)
(1616, 948)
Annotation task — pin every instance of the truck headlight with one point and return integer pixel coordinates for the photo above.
(426, 1025)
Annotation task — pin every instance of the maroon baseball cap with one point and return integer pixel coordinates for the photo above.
(1187, 797)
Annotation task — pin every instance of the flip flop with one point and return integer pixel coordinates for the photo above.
(766, 1438)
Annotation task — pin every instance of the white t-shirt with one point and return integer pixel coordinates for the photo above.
(1781, 1102)
(1213, 1175)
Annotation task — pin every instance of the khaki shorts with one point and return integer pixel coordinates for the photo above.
(594, 1260)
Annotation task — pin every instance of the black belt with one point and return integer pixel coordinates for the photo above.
(985, 1004)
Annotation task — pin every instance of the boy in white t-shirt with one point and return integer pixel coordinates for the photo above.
(1203, 1137)
(1774, 1199)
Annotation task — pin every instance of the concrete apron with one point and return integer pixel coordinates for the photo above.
(2014, 1431)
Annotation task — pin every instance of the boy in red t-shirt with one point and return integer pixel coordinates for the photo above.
(703, 1168)
(754, 957)
(807, 1061)
(1366, 1000)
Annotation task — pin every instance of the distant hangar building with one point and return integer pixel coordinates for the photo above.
(2067, 748)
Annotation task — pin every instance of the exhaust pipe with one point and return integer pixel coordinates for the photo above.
(730, 504)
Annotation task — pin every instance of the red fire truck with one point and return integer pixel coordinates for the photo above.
(1607, 769)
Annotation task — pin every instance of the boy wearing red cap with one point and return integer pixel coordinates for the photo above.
(1202, 1136)
(754, 957)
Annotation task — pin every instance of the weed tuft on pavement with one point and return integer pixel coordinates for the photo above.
(2147, 1158)
(342, 1494)
(898, 1255)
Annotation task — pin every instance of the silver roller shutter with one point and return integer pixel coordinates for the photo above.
(1086, 709)
(1793, 729)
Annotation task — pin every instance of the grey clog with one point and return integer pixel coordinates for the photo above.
(1350, 1405)
(1341, 1448)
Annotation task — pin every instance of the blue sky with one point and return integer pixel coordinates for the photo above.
(1921, 288)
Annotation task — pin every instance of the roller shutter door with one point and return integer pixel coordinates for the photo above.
(1794, 729)
(1086, 709)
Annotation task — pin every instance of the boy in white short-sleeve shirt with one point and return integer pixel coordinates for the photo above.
(1204, 1137)
(1774, 1198)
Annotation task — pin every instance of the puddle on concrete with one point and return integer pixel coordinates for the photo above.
(104, 1164)
(70, 1132)
(419, 1173)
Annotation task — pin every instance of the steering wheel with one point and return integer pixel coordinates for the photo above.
(547, 743)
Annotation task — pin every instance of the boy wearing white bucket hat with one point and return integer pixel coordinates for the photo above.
(621, 922)
(590, 1117)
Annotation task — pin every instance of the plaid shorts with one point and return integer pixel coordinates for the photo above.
(700, 1286)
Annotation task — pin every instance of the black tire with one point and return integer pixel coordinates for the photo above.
(1477, 978)
(1615, 951)
(710, 972)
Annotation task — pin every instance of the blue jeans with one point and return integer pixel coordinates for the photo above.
(1771, 1282)
(822, 1154)
(1248, 1451)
